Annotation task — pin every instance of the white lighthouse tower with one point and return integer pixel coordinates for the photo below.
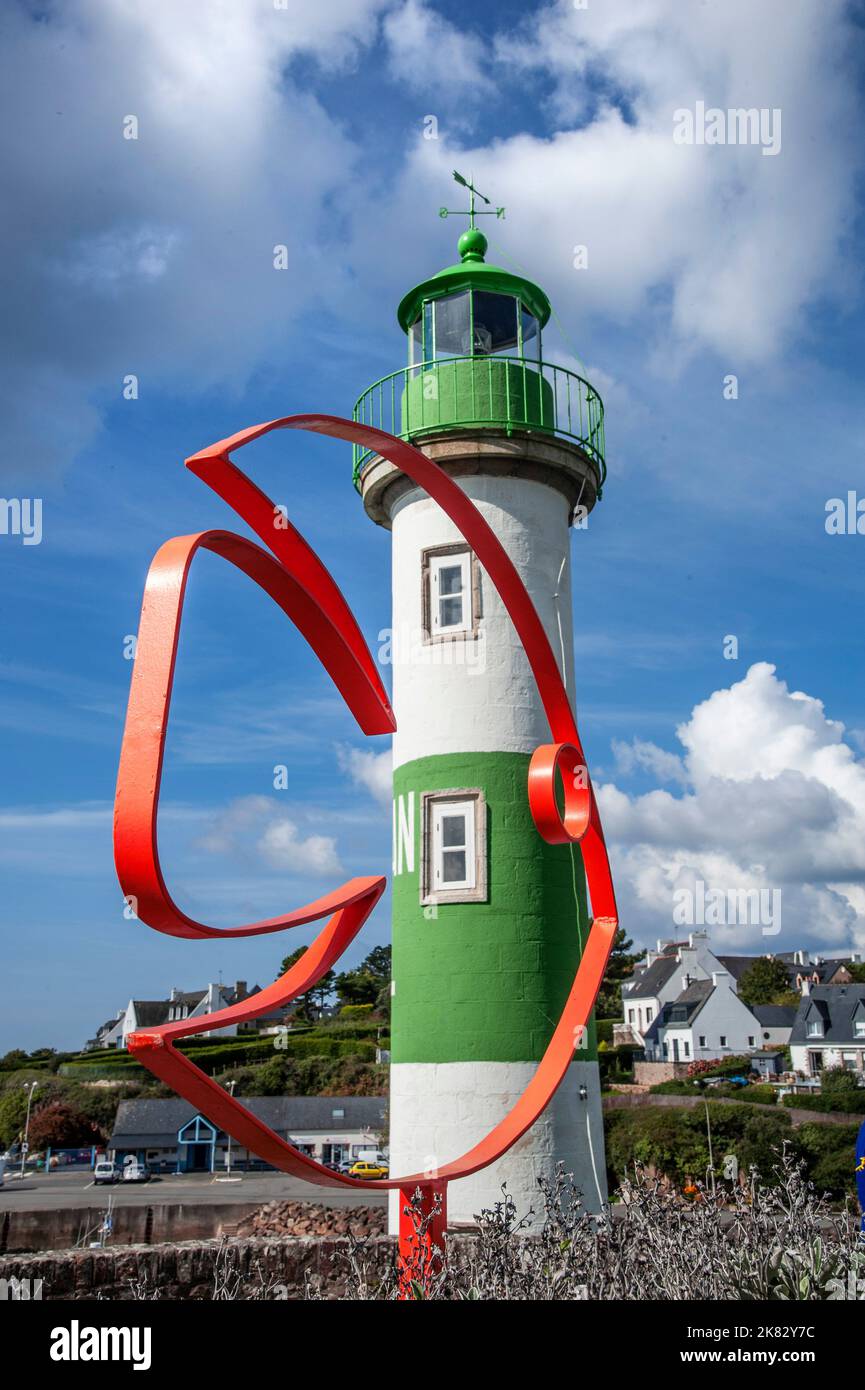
(488, 918)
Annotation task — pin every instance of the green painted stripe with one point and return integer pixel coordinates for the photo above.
(487, 981)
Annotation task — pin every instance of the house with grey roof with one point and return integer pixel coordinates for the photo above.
(706, 1021)
(776, 1023)
(682, 979)
(171, 1135)
(182, 1004)
(829, 1030)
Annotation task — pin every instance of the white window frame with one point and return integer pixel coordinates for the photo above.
(859, 1028)
(434, 806)
(814, 1028)
(433, 561)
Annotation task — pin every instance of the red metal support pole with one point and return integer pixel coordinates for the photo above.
(423, 1218)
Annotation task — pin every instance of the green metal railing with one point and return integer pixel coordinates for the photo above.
(511, 393)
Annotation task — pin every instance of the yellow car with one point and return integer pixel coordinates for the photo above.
(364, 1169)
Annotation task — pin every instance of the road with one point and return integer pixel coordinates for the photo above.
(74, 1188)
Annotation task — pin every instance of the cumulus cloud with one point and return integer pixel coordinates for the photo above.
(774, 798)
(425, 50)
(724, 242)
(257, 825)
(154, 256)
(372, 771)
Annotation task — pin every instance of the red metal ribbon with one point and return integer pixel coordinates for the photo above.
(299, 583)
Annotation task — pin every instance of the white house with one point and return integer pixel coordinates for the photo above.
(829, 1030)
(151, 1013)
(706, 1021)
(683, 1004)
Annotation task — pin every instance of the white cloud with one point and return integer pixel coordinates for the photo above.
(155, 255)
(639, 753)
(373, 771)
(257, 825)
(774, 799)
(720, 235)
(427, 51)
(283, 847)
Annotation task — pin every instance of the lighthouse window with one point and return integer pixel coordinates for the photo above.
(494, 327)
(531, 336)
(452, 326)
(450, 593)
(454, 839)
(416, 354)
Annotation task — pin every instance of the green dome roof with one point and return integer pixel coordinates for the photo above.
(473, 273)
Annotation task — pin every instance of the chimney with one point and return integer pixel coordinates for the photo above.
(720, 977)
(856, 957)
(173, 995)
(686, 980)
(240, 989)
(806, 988)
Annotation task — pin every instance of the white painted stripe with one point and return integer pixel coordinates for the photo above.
(440, 1110)
(479, 696)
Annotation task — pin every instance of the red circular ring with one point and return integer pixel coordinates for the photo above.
(547, 760)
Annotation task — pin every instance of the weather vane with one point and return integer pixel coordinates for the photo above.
(471, 214)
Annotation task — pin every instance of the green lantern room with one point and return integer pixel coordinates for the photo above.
(475, 361)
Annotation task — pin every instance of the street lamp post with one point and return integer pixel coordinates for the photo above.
(29, 1088)
(231, 1086)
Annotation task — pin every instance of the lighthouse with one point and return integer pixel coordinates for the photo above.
(488, 918)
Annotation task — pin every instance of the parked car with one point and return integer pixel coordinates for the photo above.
(366, 1169)
(105, 1171)
(136, 1172)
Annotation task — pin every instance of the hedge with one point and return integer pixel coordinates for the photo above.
(838, 1104)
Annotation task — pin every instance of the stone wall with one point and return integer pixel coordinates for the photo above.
(249, 1269)
(653, 1073)
(133, 1225)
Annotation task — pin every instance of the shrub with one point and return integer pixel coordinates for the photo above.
(842, 1104)
(786, 1248)
(837, 1081)
(673, 1141)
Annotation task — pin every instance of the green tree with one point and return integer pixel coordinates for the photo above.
(619, 966)
(13, 1109)
(13, 1060)
(318, 996)
(366, 984)
(763, 981)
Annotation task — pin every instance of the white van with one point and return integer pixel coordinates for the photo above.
(105, 1171)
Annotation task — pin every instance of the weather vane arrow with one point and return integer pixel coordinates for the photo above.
(471, 213)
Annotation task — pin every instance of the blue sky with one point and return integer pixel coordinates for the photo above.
(304, 126)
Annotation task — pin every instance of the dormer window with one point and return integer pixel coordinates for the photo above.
(815, 1028)
(859, 1028)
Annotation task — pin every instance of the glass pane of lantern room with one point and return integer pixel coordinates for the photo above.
(531, 335)
(495, 323)
(452, 334)
(415, 343)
